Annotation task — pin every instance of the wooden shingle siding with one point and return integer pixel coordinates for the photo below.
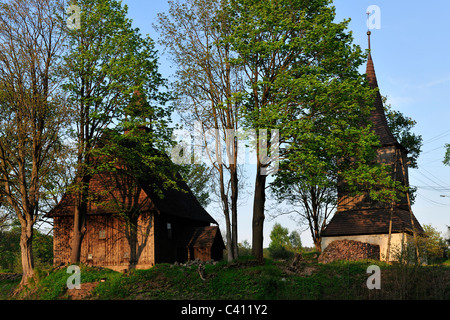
(115, 249)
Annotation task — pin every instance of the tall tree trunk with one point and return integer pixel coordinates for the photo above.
(226, 212)
(79, 230)
(258, 215)
(229, 246)
(26, 240)
(79, 220)
(234, 198)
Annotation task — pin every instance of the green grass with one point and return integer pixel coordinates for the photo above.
(248, 280)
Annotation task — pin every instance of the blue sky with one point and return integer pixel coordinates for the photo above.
(411, 57)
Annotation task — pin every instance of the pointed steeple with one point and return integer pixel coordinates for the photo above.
(370, 69)
(378, 117)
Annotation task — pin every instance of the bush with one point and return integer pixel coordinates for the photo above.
(10, 259)
(280, 252)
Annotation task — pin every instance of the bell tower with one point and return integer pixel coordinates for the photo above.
(360, 218)
(390, 152)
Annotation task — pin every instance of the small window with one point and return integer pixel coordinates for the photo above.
(169, 230)
(102, 234)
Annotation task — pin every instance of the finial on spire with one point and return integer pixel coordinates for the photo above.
(368, 31)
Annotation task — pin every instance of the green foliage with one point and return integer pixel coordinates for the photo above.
(280, 252)
(283, 245)
(246, 279)
(303, 79)
(245, 249)
(279, 236)
(401, 127)
(198, 178)
(42, 249)
(433, 245)
(447, 155)
(9, 248)
(113, 81)
(10, 258)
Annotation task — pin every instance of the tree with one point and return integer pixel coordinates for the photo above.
(198, 178)
(433, 244)
(110, 68)
(207, 87)
(302, 74)
(401, 127)
(295, 241)
(314, 204)
(279, 236)
(282, 243)
(447, 155)
(448, 236)
(32, 110)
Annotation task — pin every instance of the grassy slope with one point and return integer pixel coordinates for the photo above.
(246, 279)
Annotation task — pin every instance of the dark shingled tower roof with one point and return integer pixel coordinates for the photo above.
(374, 220)
(378, 117)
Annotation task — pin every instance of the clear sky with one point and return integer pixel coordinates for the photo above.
(411, 56)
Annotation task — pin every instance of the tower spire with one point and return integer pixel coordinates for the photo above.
(378, 116)
(370, 69)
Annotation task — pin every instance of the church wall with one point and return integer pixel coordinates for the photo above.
(377, 239)
(107, 243)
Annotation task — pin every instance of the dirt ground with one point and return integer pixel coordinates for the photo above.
(84, 293)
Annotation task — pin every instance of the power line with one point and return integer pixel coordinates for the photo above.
(433, 150)
(435, 203)
(435, 177)
(433, 181)
(434, 187)
(439, 136)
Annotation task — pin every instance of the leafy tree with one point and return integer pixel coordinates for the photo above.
(301, 69)
(33, 111)
(279, 236)
(433, 244)
(113, 81)
(198, 178)
(447, 155)
(282, 243)
(313, 204)
(295, 241)
(9, 247)
(401, 127)
(448, 236)
(208, 88)
(245, 249)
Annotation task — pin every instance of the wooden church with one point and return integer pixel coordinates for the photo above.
(361, 219)
(129, 225)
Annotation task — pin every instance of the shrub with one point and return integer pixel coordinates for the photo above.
(280, 252)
